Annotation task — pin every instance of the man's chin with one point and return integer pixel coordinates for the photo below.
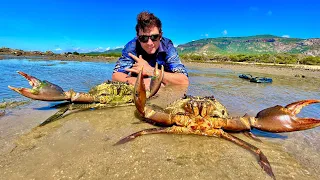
(152, 51)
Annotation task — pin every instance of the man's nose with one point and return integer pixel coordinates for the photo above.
(150, 41)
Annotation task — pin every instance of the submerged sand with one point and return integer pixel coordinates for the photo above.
(81, 146)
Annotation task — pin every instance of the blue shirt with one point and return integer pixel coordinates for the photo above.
(166, 55)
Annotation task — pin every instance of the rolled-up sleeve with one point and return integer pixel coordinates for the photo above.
(122, 64)
(174, 63)
(125, 61)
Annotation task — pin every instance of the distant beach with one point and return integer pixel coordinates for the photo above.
(300, 71)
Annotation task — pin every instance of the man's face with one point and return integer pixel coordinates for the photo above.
(153, 41)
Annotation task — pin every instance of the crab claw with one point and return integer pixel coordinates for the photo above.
(284, 119)
(140, 94)
(156, 80)
(41, 90)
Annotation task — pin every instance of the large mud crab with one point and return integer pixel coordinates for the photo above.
(205, 116)
(107, 94)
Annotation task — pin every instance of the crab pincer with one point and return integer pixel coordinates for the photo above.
(41, 90)
(283, 119)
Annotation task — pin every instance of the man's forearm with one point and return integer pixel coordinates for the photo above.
(122, 77)
(169, 78)
(175, 78)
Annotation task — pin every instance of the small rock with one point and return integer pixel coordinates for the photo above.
(300, 75)
(2, 113)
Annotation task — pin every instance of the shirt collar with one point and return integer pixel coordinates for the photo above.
(162, 48)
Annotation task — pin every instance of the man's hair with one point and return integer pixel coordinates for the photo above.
(146, 20)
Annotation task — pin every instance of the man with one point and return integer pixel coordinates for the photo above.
(145, 50)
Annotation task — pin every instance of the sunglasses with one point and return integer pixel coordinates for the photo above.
(144, 38)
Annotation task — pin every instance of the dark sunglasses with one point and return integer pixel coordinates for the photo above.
(144, 38)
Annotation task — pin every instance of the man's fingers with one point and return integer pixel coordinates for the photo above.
(134, 57)
(135, 65)
(132, 70)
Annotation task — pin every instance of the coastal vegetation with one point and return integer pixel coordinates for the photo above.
(282, 58)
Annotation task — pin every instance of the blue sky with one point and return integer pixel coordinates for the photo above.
(83, 26)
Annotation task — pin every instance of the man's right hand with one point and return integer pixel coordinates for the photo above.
(137, 66)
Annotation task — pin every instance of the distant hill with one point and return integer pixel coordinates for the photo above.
(257, 49)
(260, 44)
(110, 51)
(249, 45)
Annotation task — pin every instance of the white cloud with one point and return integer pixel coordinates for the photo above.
(286, 36)
(205, 35)
(58, 49)
(269, 13)
(98, 49)
(108, 48)
(225, 32)
(118, 47)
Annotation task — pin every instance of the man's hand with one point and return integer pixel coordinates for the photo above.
(140, 62)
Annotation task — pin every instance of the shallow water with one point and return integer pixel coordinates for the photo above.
(68, 74)
(292, 155)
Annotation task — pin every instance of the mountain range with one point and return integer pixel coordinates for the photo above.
(259, 44)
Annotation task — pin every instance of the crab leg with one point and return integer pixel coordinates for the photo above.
(140, 133)
(55, 116)
(42, 90)
(262, 159)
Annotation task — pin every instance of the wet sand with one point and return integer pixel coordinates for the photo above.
(81, 146)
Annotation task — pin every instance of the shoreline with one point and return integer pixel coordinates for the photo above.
(293, 70)
(69, 57)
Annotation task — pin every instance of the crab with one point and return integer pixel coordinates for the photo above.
(205, 116)
(107, 94)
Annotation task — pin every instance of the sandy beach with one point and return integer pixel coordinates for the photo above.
(302, 71)
(81, 145)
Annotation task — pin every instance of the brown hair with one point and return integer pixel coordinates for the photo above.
(147, 20)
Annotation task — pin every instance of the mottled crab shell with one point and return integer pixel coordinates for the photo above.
(179, 106)
(113, 92)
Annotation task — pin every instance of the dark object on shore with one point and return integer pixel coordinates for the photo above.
(300, 76)
(255, 79)
(2, 113)
(245, 76)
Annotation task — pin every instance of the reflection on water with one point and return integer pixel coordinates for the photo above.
(238, 95)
